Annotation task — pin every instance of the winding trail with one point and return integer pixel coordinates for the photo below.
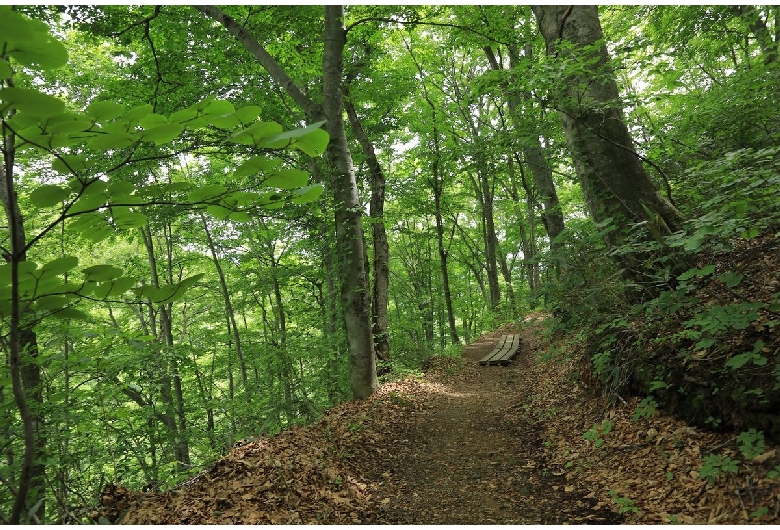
(473, 454)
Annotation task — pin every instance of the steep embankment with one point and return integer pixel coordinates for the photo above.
(473, 444)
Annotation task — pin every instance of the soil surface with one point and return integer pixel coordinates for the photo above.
(525, 443)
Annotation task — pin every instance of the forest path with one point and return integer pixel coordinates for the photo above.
(471, 444)
(474, 455)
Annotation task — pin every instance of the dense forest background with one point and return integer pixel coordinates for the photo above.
(220, 222)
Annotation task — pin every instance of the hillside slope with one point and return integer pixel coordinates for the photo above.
(473, 444)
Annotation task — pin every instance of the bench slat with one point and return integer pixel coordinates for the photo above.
(505, 349)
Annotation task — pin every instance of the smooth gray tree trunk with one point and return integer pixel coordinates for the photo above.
(612, 178)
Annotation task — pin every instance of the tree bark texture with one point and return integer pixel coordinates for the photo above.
(349, 232)
(379, 298)
(22, 350)
(613, 181)
(533, 153)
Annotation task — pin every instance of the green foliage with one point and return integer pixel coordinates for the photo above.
(713, 466)
(624, 504)
(751, 443)
(645, 409)
(598, 431)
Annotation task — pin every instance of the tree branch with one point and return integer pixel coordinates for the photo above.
(313, 111)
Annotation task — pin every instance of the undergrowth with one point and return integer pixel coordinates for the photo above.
(700, 340)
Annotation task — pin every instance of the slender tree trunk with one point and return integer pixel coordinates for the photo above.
(230, 314)
(22, 347)
(437, 186)
(533, 152)
(177, 440)
(349, 232)
(379, 238)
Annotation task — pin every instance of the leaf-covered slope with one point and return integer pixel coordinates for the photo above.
(526, 443)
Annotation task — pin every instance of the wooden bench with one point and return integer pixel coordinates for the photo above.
(506, 347)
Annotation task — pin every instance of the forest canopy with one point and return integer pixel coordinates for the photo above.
(221, 221)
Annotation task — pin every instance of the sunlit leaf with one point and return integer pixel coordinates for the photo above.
(163, 134)
(101, 273)
(48, 195)
(61, 265)
(134, 115)
(104, 110)
(206, 192)
(287, 179)
(257, 133)
(105, 141)
(258, 164)
(30, 101)
(68, 164)
(308, 194)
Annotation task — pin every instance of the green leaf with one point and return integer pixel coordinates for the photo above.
(5, 69)
(117, 188)
(88, 202)
(152, 120)
(105, 110)
(731, 279)
(168, 293)
(91, 226)
(287, 179)
(69, 126)
(48, 195)
(226, 214)
(257, 164)
(284, 139)
(52, 302)
(690, 273)
(163, 134)
(69, 164)
(183, 115)
(61, 265)
(126, 219)
(106, 141)
(241, 199)
(256, 133)
(248, 114)
(750, 233)
(271, 201)
(101, 273)
(29, 42)
(121, 285)
(225, 122)
(738, 361)
(135, 114)
(30, 101)
(308, 194)
(207, 192)
(219, 107)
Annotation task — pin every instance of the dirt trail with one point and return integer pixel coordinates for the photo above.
(470, 444)
(472, 456)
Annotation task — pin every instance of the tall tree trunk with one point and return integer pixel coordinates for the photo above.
(172, 417)
(22, 347)
(533, 152)
(437, 186)
(379, 237)
(349, 232)
(483, 190)
(613, 180)
(230, 314)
